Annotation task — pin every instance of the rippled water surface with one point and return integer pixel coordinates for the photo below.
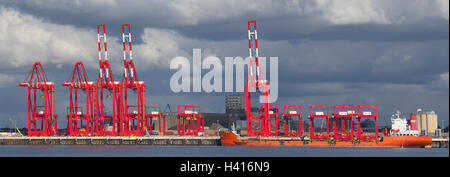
(214, 151)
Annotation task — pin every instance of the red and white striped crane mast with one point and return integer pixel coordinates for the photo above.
(256, 80)
(80, 121)
(105, 82)
(40, 111)
(133, 115)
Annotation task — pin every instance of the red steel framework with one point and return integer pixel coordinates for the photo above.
(256, 81)
(319, 112)
(289, 113)
(190, 120)
(346, 114)
(154, 113)
(40, 112)
(272, 117)
(133, 115)
(367, 112)
(80, 121)
(105, 82)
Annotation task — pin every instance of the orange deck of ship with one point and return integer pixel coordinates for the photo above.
(230, 139)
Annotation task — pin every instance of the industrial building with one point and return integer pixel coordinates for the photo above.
(427, 122)
(213, 121)
(233, 116)
(234, 104)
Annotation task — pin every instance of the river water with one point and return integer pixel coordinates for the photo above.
(213, 151)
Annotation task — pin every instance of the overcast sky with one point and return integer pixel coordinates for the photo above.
(392, 54)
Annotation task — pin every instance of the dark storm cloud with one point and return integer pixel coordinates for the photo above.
(311, 21)
(378, 62)
(295, 31)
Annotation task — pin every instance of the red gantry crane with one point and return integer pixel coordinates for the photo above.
(345, 113)
(256, 80)
(153, 113)
(80, 121)
(367, 112)
(290, 113)
(106, 124)
(190, 120)
(319, 112)
(42, 121)
(273, 120)
(133, 115)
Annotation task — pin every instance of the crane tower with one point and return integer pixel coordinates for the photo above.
(80, 120)
(133, 115)
(42, 120)
(256, 80)
(106, 123)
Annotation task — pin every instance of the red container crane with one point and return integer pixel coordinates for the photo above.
(80, 120)
(106, 124)
(370, 112)
(133, 114)
(289, 114)
(153, 113)
(346, 114)
(319, 112)
(255, 80)
(42, 120)
(190, 120)
(273, 120)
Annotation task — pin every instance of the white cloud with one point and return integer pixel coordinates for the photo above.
(352, 12)
(443, 6)
(5, 80)
(158, 47)
(442, 83)
(444, 77)
(26, 39)
(195, 12)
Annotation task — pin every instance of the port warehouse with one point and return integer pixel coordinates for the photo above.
(134, 119)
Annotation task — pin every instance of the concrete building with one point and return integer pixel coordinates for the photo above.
(235, 104)
(171, 120)
(427, 122)
(223, 119)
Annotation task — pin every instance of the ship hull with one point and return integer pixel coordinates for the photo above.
(231, 139)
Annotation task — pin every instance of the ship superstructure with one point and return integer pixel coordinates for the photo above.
(400, 126)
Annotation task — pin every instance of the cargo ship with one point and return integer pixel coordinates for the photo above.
(398, 137)
(232, 139)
